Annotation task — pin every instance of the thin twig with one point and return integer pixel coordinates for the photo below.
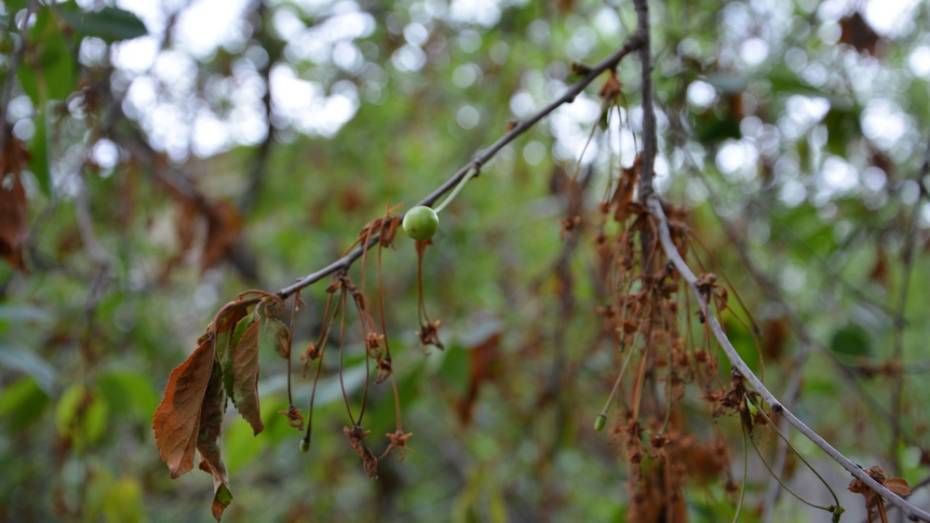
(655, 207)
(346, 261)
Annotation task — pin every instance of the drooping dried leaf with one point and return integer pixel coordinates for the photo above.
(899, 486)
(241, 372)
(211, 422)
(13, 224)
(176, 421)
(223, 228)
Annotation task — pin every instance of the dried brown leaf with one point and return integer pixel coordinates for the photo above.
(211, 422)
(176, 421)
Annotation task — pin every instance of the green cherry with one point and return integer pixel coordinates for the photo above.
(421, 222)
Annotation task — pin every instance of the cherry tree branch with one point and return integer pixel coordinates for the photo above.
(649, 115)
(342, 264)
(909, 510)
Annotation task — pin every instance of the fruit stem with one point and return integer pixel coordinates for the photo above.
(455, 192)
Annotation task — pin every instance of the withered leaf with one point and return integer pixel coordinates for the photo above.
(176, 421)
(241, 372)
(899, 486)
(12, 219)
(211, 422)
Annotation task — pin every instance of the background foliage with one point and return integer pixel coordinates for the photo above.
(180, 152)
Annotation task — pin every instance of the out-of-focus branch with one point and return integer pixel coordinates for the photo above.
(910, 510)
(181, 184)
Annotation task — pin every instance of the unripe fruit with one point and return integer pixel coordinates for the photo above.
(599, 422)
(421, 222)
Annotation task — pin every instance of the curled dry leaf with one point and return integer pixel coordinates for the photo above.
(429, 335)
(211, 423)
(875, 503)
(177, 419)
(295, 419)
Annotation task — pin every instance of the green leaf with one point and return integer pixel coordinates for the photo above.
(48, 71)
(110, 24)
(81, 416)
(851, 340)
(226, 349)
(842, 128)
(12, 6)
(123, 502)
(67, 409)
(712, 127)
(22, 403)
(240, 373)
(221, 499)
(128, 393)
(785, 81)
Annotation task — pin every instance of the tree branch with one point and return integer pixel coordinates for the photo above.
(635, 42)
(649, 115)
(915, 513)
